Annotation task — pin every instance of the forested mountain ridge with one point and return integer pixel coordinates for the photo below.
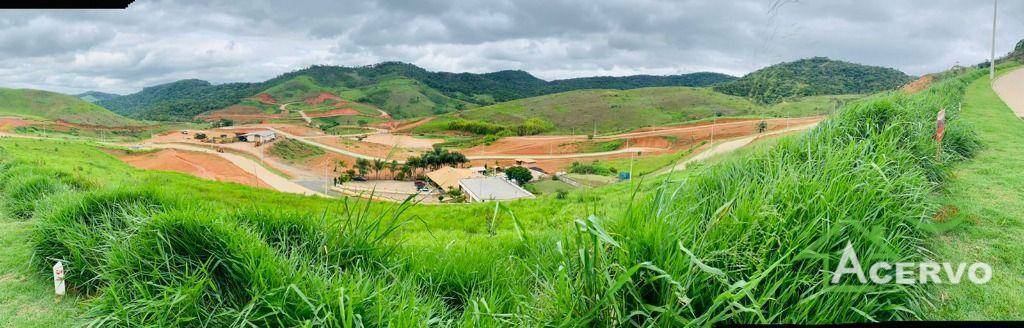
(445, 91)
(812, 77)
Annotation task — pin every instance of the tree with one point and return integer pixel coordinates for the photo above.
(762, 126)
(363, 166)
(520, 174)
(378, 165)
(393, 167)
(224, 122)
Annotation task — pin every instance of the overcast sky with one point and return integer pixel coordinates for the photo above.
(156, 41)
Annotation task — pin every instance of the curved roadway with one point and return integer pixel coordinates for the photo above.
(1010, 87)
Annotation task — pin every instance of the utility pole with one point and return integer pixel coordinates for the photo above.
(992, 57)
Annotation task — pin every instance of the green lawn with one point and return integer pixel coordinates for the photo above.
(988, 194)
(26, 297)
(548, 187)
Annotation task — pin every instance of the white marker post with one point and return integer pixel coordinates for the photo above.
(58, 280)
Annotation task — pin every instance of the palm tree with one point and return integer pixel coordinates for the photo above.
(362, 165)
(378, 165)
(407, 171)
(393, 167)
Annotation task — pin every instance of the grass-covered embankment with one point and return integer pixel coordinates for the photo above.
(985, 198)
(749, 239)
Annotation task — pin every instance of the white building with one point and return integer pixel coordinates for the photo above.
(492, 188)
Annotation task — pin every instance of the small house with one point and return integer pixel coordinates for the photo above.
(258, 136)
(492, 188)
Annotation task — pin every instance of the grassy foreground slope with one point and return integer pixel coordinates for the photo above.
(748, 239)
(617, 110)
(45, 105)
(987, 195)
(26, 296)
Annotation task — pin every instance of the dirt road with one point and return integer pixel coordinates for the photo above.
(729, 146)
(1010, 87)
(252, 167)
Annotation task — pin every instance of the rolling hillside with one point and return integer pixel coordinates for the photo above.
(45, 105)
(403, 90)
(94, 96)
(811, 77)
(616, 110)
(180, 100)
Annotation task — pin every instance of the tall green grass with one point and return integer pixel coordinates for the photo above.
(752, 239)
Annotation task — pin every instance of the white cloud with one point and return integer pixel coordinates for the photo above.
(165, 40)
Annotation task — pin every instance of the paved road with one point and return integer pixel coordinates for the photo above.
(729, 146)
(1010, 87)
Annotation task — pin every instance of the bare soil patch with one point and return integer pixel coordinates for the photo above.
(324, 96)
(402, 141)
(206, 166)
(919, 84)
(265, 98)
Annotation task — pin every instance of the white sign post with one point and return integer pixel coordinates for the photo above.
(58, 280)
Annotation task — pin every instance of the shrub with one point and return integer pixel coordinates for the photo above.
(520, 174)
(80, 228)
(590, 168)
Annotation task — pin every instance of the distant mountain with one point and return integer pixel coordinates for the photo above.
(50, 106)
(402, 89)
(94, 96)
(813, 76)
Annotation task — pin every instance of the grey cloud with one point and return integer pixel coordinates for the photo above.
(164, 40)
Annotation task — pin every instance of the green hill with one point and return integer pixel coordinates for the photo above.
(180, 100)
(94, 96)
(403, 90)
(813, 76)
(617, 110)
(45, 105)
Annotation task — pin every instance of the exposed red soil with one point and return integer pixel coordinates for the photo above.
(396, 126)
(334, 112)
(330, 161)
(239, 112)
(265, 98)
(14, 122)
(132, 128)
(206, 166)
(366, 148)
(298, 130)
(324, 96)
(919, 84)
(656, 141)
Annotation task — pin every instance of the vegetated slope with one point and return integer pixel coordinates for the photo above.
(404, 90)
(983, 202)
(400, 97)
(45, 105)
(813, 76)
(94, 96)
(751, 239)
(614, 110)
(180, 100)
